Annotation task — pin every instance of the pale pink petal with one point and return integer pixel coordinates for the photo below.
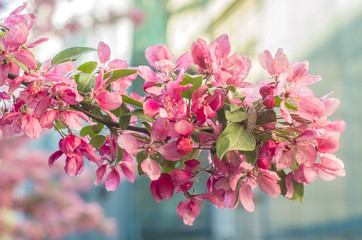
(150, 107)
(311, 108)
(30, 126)
(159, 129)
(285, 112)
(100, 173)
(184, 61)
(157, 53)
(104, 52)
(281, 62)
(285, 160)
(184, 128)
(40, 40)
(72, 119)
(108, 100)
(26, 57)
(331, 105)
(151, 168)
(112, 181)
(147, 73)
(169, 152)
(289, 185)
(246, 197)
(266, 61)
(127, 171)
(129, 143)
(188, 211)
(74, 164)
(305, 174)
(268, 186)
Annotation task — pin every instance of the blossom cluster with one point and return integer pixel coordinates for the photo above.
(274, 135)
(36, 203)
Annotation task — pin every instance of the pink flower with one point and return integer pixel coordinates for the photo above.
(67, 94)
(162, 188)
(188, 211)
(74, 148)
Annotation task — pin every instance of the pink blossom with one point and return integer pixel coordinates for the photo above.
(162, 188)
(188, 211)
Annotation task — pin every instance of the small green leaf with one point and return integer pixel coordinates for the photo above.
(288, 103)
(220, 115)
(124, 117)
(234, 137)
(97, 141)
(195, 81)
(236, 116)
(139, 113)
(87, 130)
(298, 192)
(70, 54)
(86, 82)
(119, 74)
(131, 101)
(98, 127)
(88, 67)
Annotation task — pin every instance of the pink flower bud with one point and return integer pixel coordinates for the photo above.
(266, 90)
(269, 102)
(184, 145)
(162, 188)
(264, 163)
(268, 149)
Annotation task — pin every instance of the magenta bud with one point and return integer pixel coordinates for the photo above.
(266, 90)
(264, 163)
(269, 102)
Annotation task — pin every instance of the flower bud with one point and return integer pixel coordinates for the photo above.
(264, 163)
(266, 90)
(269, 102)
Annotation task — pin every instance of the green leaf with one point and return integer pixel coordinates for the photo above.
(97, 141)
(87, 130)
(288, 103)
(88, 67)
(220, 115)
(86, 82)
(298, 188)
(98, 127)
(234, 137)
(147, 126)
(298, 192)
(119, 74)
(124, 117)
(139, 113)
(195, 81)
(236, 116)
(131, 101)
(70, 54)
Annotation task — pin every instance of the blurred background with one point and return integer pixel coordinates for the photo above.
(326, 33)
